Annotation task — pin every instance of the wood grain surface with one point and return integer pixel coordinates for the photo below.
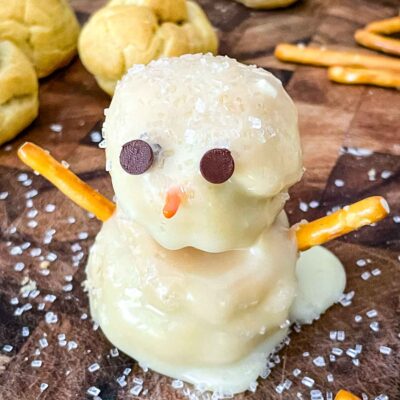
(335, 121)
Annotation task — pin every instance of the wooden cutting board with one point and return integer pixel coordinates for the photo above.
(335, 121)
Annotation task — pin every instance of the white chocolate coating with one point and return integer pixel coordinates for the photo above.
(190, 105)
(208, 319)
(207, 295)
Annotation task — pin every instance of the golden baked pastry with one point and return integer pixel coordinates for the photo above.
(128, 32)
(266, 4)
(45, 30)
(19, 91)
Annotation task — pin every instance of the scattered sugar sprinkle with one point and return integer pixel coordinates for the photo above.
(51, 318)
(7, 348)
(341, 336)
(16, 251)
(121, 380)
(356, 362)
(337, 351)
(93, 391)
(136, 390)
(307, 381)
(83, 235)
(339, 182)
(36, 252)
(314, 204)
(382, 397)
(43, 387)
(32, 224)
(36, 363)
(296, 372)
(96, 137)
(351, 353)
(32, 213)
(376, 272)
(316, 395)
(32, 193)
(385, 350)
(374, 326)
(43, 343)
(372, 313)
(114, 352)
(177, 384)
(68, 288)
(49, 208)
(72, 345)
(365, 275)
(319, 361)
(56, 128)
(361, 262)
(303, 206)
(386, 174)
(253, 387)
(25, 331)
(3, 195)
(94, 367)
(19, 266)
(330, 378)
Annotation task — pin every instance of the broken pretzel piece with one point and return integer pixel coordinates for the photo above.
(385, 26)
(378, 42)
(327, 58)
(359, 76)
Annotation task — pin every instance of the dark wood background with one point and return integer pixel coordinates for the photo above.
(333, 118)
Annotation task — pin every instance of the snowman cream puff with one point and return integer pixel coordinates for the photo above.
(195, 272)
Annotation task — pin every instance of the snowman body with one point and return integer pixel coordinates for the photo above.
(207, 295)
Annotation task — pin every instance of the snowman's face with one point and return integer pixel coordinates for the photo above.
(202, 151)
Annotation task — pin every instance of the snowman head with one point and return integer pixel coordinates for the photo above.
(202, 151)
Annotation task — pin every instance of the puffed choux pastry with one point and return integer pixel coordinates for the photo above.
(19, 91)
(128, 32)
(45, 30)
(266, 4)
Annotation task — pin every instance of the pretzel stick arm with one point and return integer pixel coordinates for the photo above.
(327, 58)
(378, 42)
(339, 223)
(385, 26)
(66, 181)
(354, 76)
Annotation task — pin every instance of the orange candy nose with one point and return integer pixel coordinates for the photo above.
(173, 202)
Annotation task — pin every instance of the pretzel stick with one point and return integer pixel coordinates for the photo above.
(385, 26)
(327, 58)
(66, 181)
(378, 42)
(345, 395)
(354, 76)
(339, 223)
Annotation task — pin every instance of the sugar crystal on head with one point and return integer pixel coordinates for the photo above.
(184, 107)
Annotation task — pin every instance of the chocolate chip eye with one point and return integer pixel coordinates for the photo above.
(217, 165)
(136, 157)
